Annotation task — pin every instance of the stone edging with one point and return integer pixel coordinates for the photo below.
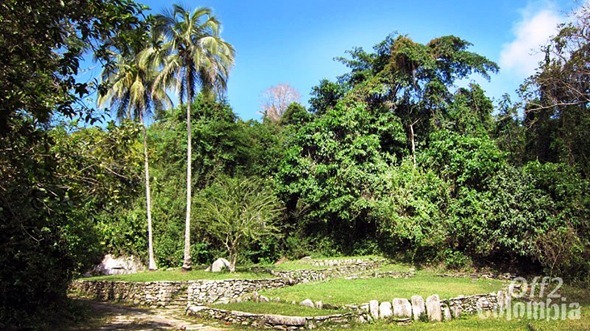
(279, 322)
(433, 308)
(499, 276)
(400, 310)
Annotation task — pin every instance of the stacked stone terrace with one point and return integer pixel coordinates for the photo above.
(194, 296)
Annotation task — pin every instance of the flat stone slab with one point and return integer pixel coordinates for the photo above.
(433, 308)
(402, 308)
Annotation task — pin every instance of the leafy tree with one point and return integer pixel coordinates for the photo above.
(102, 169)
(295, 114)
(197, 56)
(464, 161)
(412, 213)
(556, 97)
(331, 173)
(47, 41)
(41, 45)
(469, 112)
(325, 96)
(238, 211)
(509, 131)
(412, 79)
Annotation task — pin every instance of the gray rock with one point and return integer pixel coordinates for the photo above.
(503, 300)
(285, 320)
(385, 309)
(307, 303)
(219, 265)
(374, 309)
(418, 308)
(446, 313)
(483, 303)
(196, 309)
(433, 308)
(456, 311)
(111, 265)
(319, 304)
(402, 308)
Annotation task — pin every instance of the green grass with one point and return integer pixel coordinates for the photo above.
(474, 322)
(343, 291)
(394, 267)
(277, 308)
(179, 275)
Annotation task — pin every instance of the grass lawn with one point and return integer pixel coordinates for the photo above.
(277, 308)
(343, 291)
(394, 267)
(179, 275)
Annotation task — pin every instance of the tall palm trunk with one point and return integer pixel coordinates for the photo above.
(148, 198)
(413, 143)
(187, 264)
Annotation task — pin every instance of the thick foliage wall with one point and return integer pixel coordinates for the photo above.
(41, 232)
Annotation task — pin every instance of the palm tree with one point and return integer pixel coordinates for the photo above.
(198, 57)
(132, 96)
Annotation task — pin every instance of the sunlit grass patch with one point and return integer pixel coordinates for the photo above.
(349, 291)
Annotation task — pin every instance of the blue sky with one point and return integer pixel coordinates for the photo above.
(295, 41)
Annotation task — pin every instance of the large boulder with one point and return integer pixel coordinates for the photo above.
(111, 265)
(219, 265)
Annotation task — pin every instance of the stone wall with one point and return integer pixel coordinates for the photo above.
(224, 291)
(153, 294)
(433, 308)
(311, 275)
(342, 262)
(173, 294)
(277, 322)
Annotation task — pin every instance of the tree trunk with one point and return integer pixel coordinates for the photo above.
(148, 198)
(413, 143)
(187, 264)
(233, 258)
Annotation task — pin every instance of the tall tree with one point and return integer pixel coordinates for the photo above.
(41, 46)
(414, 80)
(238, 211)
(557, 96)
(132, 94)
(276, 99)
(198, 57)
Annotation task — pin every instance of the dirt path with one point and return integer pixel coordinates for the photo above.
(107, 316)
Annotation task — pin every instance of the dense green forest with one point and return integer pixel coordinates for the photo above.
(398, 157)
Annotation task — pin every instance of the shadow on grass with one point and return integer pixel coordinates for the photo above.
(95, 315)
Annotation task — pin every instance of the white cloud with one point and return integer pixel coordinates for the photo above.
(522, 56)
